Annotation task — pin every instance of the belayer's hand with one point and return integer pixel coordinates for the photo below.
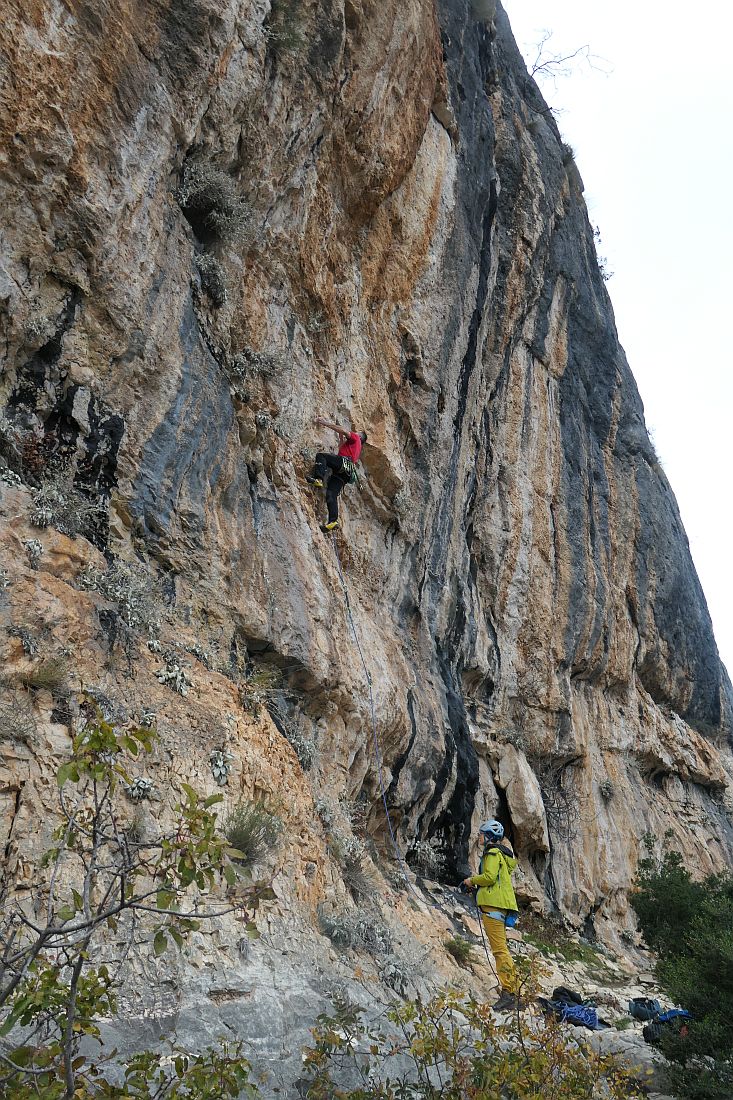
(467, 882)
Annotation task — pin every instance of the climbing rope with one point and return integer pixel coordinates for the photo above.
(489, 960)
(378, 759)
(375, 739)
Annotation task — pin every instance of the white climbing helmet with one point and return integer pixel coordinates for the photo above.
(492, 830)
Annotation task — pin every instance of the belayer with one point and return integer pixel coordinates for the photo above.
(341, 467)
(498, 906)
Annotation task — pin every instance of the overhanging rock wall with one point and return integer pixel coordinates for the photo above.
(416, 260)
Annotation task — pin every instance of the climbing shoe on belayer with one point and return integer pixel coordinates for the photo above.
(330, 526)
(317, 481)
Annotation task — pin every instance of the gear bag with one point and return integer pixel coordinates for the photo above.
(644, 1008)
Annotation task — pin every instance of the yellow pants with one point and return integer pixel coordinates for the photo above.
(496, 934)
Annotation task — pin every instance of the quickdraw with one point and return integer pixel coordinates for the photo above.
(349, 468)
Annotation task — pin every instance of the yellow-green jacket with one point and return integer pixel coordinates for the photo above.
(494, 880)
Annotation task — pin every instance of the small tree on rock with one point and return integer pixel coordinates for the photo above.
(101, 878)
(689, 925)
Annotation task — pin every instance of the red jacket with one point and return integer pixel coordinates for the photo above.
(351, 448)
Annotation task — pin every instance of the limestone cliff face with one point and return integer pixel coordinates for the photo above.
(416, 260)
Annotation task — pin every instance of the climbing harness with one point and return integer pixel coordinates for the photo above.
(349, 471)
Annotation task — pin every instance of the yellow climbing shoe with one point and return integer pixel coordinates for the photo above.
(315, 481)
(330, 526)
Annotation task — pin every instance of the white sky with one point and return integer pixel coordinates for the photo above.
(654, 144)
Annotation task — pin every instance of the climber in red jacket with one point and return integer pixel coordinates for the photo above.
(342, 467)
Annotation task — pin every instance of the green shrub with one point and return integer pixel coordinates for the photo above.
(548, 934)
(568, 154)
(303, 747)
(510, 735)
(135, 831)
(326, 810)
(285, 26)
(102, 876)
(356, 813)
(253, 830)
(460, 949)
(689, 925)
(426, 859)
(262, 687)
(359, 877)
(353, 930)
(451, 1048)
(248, 364)
(26, 639)
(56, 503)
(129, 586)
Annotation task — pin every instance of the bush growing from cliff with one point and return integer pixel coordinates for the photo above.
(689, 925)
(213, 280)
(568, 154)
(426, 859)
(50, 674)
(247, 364)
(17, 720)
(263, 686)
(284, 26)
(351, 929)
(56, 503)
(98, 894)
(253, 830)
(209, 199)
(134, 591)
(459, 948)
(359, 876)
(303, 747)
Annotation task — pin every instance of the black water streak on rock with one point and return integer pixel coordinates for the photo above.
(182, 459)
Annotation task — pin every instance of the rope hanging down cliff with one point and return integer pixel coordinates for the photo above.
(378, 755)
(375, 740)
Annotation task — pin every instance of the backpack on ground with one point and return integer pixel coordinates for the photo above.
(644, 1008)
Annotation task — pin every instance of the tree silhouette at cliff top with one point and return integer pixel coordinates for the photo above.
(690, 927)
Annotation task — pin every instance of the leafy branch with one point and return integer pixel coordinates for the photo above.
(96, 880)
(452, 1048)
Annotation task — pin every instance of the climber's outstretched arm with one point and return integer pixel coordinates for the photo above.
(343, 433)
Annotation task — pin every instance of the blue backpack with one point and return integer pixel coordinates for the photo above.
(643, 1008)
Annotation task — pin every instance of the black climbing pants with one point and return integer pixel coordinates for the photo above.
(336, 480)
